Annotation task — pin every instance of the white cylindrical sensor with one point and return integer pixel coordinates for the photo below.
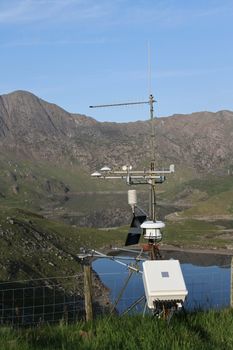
(151, 230)
(132, 198)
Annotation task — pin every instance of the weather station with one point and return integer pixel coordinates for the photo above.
(164, 286)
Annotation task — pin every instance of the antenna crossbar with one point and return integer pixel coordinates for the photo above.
(134, 177)
(121, 104)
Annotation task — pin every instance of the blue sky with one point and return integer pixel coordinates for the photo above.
(77, 53)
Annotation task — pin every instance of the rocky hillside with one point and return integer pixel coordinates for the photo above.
(35, 129)
(33, 247)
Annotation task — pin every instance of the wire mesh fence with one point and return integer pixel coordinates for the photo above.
(34, 302)
(41, 300)
(208, 287)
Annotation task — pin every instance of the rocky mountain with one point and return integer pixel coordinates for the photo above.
(46, 154)
(35, 129)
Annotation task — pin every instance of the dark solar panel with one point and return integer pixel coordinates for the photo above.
(134, 233)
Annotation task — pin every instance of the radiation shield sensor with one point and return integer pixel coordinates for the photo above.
(151, 230)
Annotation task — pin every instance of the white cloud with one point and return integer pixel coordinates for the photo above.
(170, 13)
(44, 42)
(10, 12)
(114, 12)
(15, 11)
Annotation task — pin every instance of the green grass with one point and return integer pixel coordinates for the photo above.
(190, 233)
(202, 330)
(194, 234)
(31, 178)
(208, 198)
(215, 206)
(211, 185)
(46, 248)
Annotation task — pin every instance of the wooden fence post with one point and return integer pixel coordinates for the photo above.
(231, 281)
(88, 292)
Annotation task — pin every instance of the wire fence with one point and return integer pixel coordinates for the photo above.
(208, 287)
(38, 301)
(42, 300)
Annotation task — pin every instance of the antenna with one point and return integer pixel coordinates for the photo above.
(152, 201)
(124, 104)
(149, 68)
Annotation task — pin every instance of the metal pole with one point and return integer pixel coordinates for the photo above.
(232, 282)
(139, 300)
(121, 292)
(152, 167)
(153, 202)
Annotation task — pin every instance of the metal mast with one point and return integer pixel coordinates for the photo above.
(152, 200)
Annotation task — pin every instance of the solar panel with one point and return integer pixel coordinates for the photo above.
(135, 231)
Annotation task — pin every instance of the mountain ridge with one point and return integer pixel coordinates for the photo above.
(43, 130)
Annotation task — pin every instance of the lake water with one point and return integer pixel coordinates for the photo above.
(208, 286)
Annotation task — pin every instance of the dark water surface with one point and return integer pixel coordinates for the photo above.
(208, 286)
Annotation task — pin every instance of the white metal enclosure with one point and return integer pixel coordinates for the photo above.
(163, 281)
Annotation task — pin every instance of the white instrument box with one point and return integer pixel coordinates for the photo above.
(163, 281)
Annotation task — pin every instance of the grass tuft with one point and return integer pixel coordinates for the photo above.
(199, 330)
